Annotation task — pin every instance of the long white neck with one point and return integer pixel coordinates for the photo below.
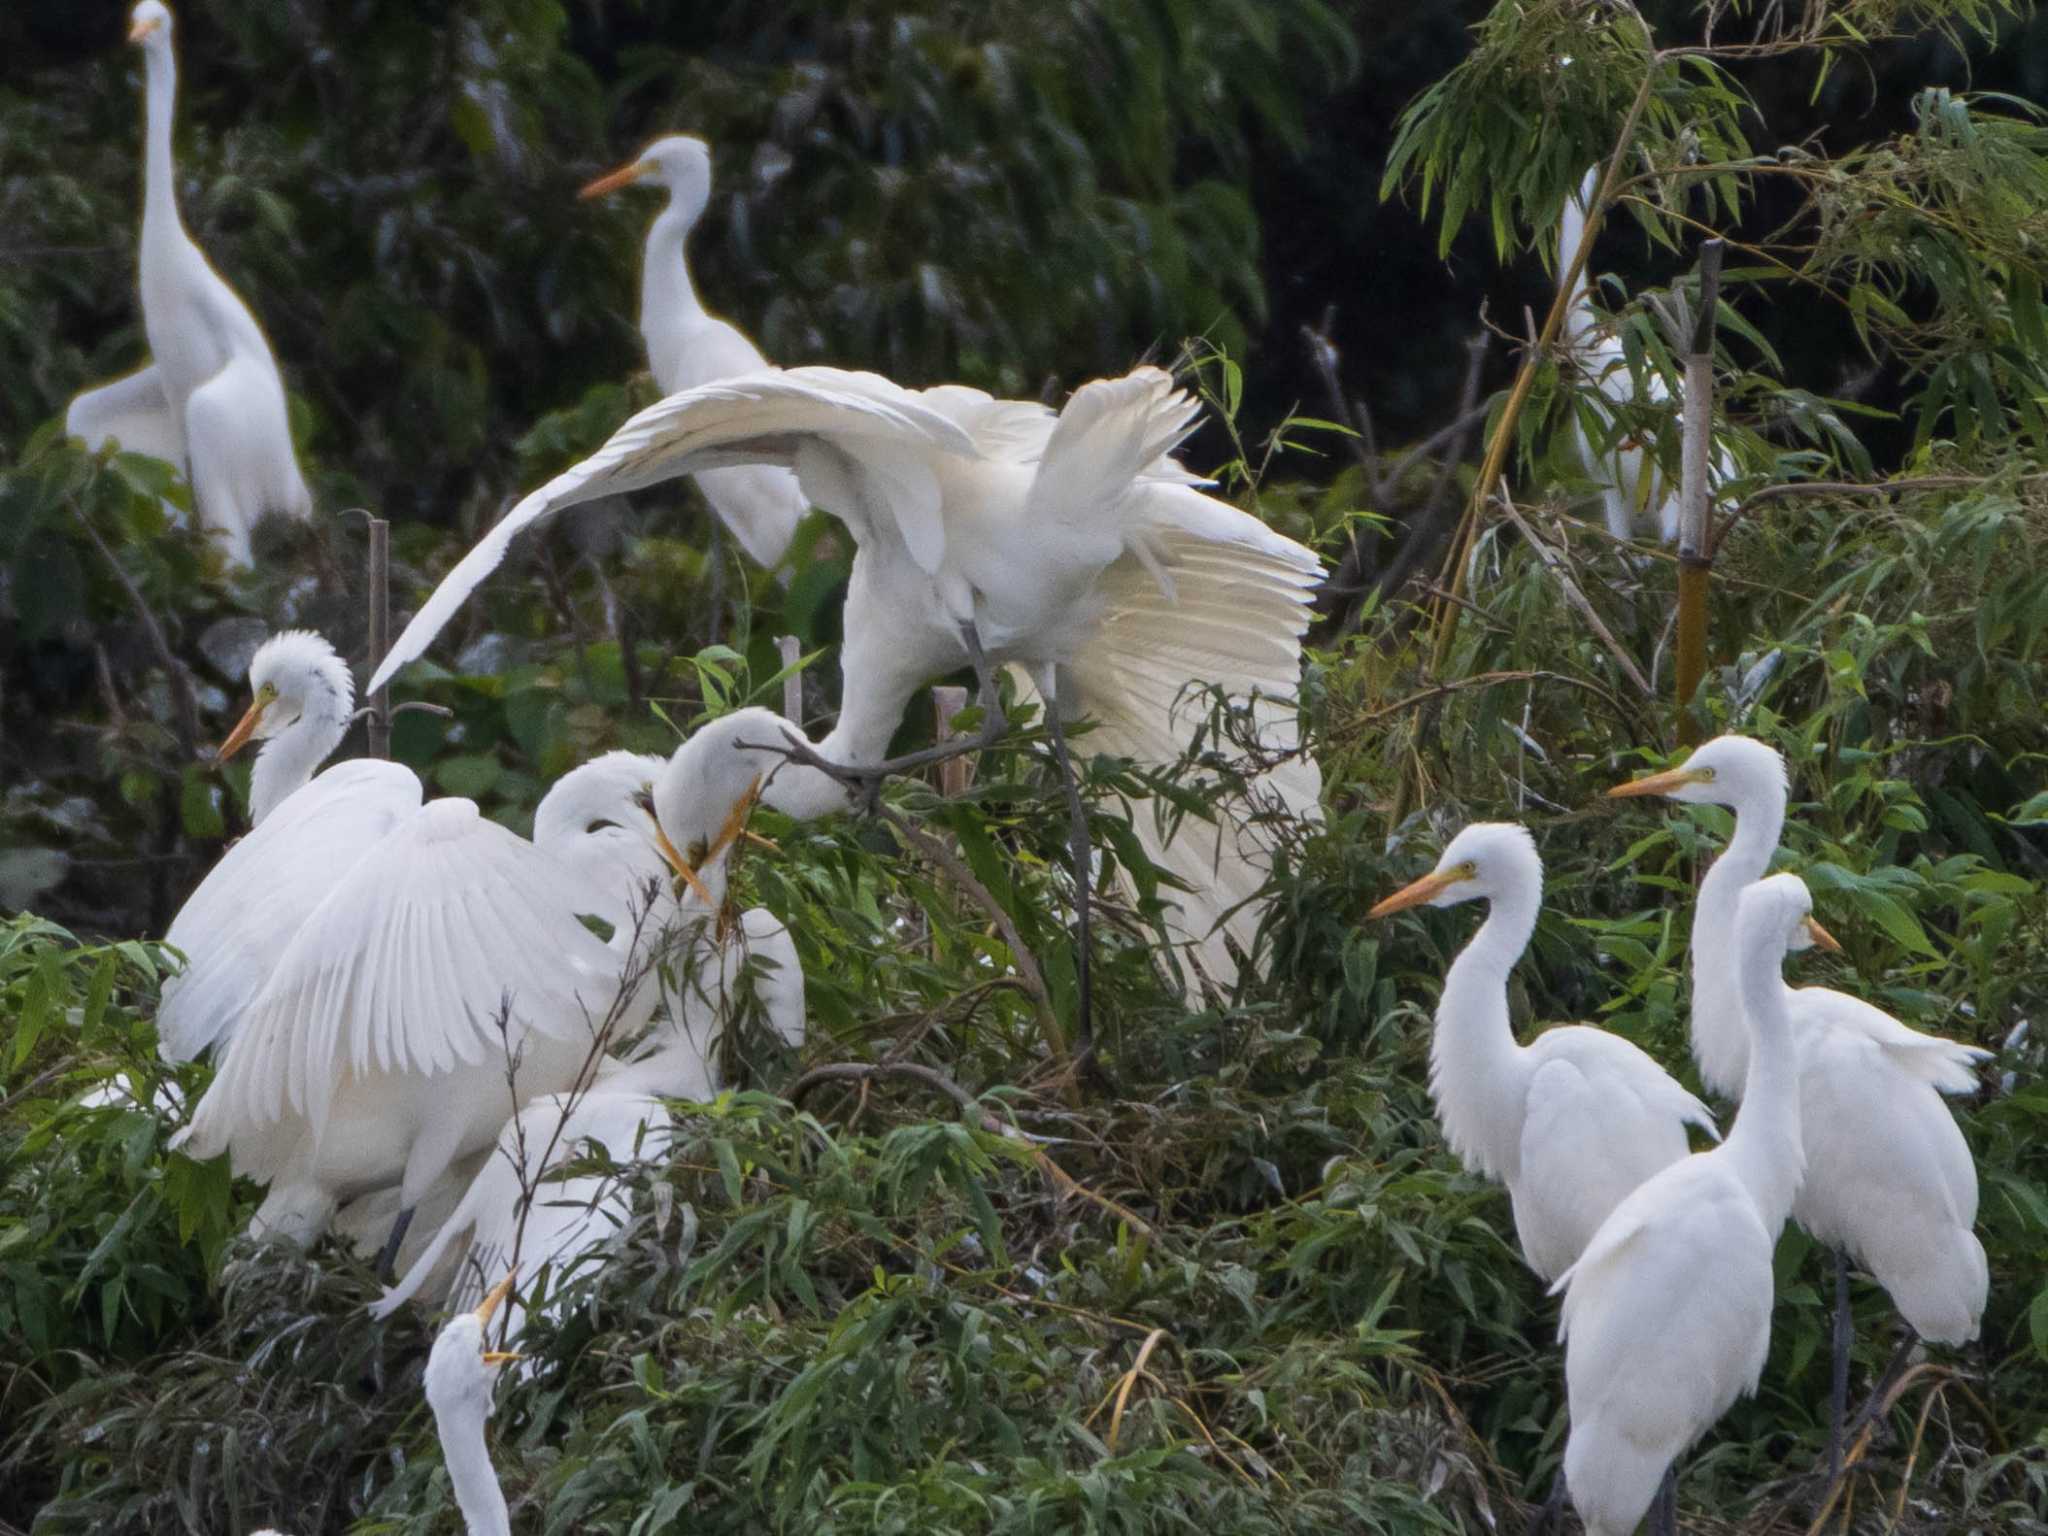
(1720, 1039)
(1765, 1147)
(287, 760)
(160, 191)
(666, 293)
(469, 1468)
(1571, 229)
(1475, 1066)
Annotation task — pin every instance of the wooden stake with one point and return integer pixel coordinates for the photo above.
(378, 728)
(955, 773)
(1695, 556)
(790, 650)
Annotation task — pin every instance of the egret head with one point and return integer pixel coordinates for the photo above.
(606, 792)
(1729, 770)
(460, 1370)
(1776, 913)
(703, 797)
(149, 24)
(291, 674)
(678, 162)
(1486, 860)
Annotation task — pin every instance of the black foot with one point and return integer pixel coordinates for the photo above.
(1550, 1516)
(387, 1261)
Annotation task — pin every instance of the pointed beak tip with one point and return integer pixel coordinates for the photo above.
(1822, 938)
(611, 181)
(496, 1299)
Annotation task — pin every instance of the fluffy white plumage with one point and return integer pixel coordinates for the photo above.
(688, 346)
(1889, 1176)
(1667, 1313)
(210, 400)
(1633, 492)
(1073, 545)
(1572, 1122)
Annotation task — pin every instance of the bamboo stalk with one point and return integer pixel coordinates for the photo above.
(1695, 553)
(790, 648)
(378, 727)
(955, 773)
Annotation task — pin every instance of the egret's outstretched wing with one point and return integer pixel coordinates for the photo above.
(763, 418)
(447, 925)
(234, 929)
(1218, 599)
(134, 412)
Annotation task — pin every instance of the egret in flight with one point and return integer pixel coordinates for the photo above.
(990, 531)
(1889, 1178)
(1572, 1122)
(1667, 1314)
(210, 400)
(687, 345)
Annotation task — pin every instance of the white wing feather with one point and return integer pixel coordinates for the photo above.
(233, 930)
(759, 419)
(133, 412)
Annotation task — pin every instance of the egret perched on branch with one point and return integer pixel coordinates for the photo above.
(309, 832)
(688, 346)
(1633, 492)
(993, 531)
(210, 400)
(1889, 1178)
(1667, 1314)
(1573, 1121)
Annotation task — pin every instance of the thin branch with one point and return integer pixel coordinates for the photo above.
(1554, 562)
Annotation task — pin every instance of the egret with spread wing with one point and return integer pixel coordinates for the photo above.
(1071, 545)
(1889, 1178)
(688, 346)
(1572, 1122)
(210, 400)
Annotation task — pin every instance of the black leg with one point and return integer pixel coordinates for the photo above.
(1838, 1398)
(1873, 1405)
(387, 1261)
(1078, 847)
(1550, 1515)
(1666, 1506)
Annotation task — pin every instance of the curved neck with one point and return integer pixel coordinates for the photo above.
(1720, 1038)
(1765, 1146)
(1474, 1061)
(287, 760)
(1571, 229)
(666, 294)
(469, 1468)
(160, 192)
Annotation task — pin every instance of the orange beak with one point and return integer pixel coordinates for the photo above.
(496, 1299)
(1656, 784)
(245, 727)
(1413, 894)
(143, 28)
(736, 823)
(680, 865)
(1822, 938)
(611, 181)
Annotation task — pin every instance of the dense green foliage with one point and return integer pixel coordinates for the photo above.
(1285, 1308)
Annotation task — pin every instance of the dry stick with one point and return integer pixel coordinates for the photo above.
(1020, 956)
(1424, 533)
(184, 702)
(1123, 1391)
(791, 650)
(379, 729)
(1490, 468)
(1554, 562)
(1695, 552)
(956, 774)
(1063, 1183)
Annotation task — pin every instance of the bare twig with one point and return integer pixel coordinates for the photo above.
(1695, 553)
(1554, 562)
(184, 701)
(379, 729)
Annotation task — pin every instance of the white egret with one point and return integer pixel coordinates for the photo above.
(1633, 491)
(1667, 1314)
(210, 400)
(1572, 1122)
(1889, 1178)
(443, 981)
(688, 346)
(994, 531)
(460, 1375)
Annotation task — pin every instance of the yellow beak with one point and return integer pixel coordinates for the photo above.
(680, 865)
(1657, 783)
(1822, 937)
(245, 727)
(736, 823)
(611, 181)
(1414, 894)
(143, 28)
(501, 1356)
(496, 1299)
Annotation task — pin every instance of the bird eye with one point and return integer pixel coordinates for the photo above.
(644, 798)
(600, 824)
(1706, 775)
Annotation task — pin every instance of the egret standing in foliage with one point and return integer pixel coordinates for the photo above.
(688, 346)
(1573, 1121)
(1889, 1178)
(989, 531)
(1667, 1314)
(460, 1375)
(210, 401)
